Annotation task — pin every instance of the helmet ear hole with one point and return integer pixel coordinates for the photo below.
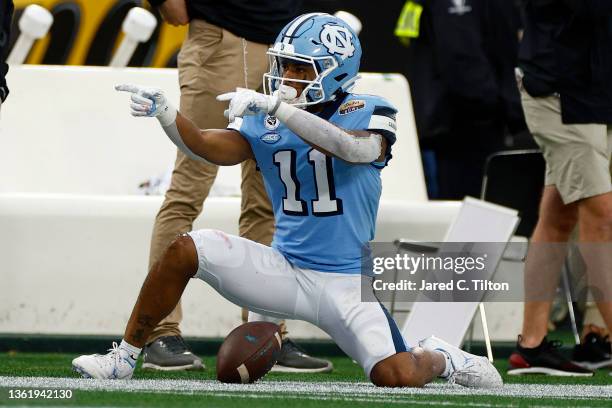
(314, 94)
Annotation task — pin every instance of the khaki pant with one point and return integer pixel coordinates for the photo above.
(211, 61)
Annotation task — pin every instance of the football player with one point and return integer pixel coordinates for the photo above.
(320, 149)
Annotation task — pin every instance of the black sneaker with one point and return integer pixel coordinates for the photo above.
(293, 359)
(170, 353)
(544, 359)
(593, 353)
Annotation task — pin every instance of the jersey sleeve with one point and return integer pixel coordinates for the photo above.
(383, 122)
(236, 124)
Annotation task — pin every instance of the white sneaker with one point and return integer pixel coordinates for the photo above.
(466, 369)
(118, 364)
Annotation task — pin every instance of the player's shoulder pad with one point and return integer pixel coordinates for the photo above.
(382, 114)
(371, 103)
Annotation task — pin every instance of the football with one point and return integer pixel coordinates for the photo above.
(248, 352)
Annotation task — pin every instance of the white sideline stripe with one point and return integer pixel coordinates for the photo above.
(381, 399)
(348, 390)
(244, 373)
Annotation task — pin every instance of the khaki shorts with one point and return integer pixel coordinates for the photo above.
(577, 156)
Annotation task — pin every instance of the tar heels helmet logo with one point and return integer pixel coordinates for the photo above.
(326, 43)
(338, 40)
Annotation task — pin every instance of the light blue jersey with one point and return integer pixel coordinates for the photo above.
(325, 208)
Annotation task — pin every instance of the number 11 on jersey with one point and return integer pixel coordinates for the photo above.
(326, 203)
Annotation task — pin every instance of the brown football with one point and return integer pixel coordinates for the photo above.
(248, 352)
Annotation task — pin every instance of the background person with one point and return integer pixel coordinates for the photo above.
(225, 48)
(460, 66)
(566, 61)
(6, 14)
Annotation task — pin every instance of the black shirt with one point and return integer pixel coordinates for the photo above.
(567, 48)
(255, 20)
(461, 71)
(6, 12)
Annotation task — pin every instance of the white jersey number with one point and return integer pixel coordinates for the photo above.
(326, 203)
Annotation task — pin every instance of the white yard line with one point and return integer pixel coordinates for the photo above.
(290, 389)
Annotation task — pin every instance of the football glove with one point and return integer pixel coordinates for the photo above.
(149, 102)
(245, 102)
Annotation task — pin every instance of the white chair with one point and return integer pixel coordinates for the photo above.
(478, 223)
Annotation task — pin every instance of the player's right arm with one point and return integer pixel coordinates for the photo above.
(224, 147)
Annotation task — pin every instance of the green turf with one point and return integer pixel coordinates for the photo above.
(150, 399)
(58, 365)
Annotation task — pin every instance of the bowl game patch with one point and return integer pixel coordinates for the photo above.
(351, 106)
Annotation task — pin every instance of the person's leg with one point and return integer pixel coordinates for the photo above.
(595, 222)
(159, 295)
(556, 220)
(211, 62)
(544, 262)
(367, 333)
(257, 224)
(191, 180)
(595, 215)
(577, 160)
(593, 321)
(594, 350)
(190, 185)
(409, 369)
(237, 268)
(162, 289)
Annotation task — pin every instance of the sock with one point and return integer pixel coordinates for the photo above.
(256, 317)
(133, 352)
(449, 365)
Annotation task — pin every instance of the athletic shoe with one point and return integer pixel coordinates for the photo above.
(544, 359)
(593, 353)
(170, 353)
(465, 369)
(118, 364)
(293, 359)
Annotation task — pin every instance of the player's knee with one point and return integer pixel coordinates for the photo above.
(392, 374)
(182, 256)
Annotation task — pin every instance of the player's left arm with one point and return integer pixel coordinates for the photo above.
(353, 146)
(351, 140)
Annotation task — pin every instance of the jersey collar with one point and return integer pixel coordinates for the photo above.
(331, 107)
